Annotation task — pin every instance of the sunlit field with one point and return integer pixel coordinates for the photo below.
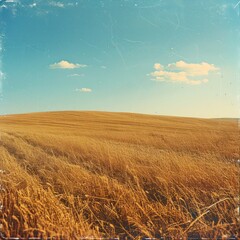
(81, 174)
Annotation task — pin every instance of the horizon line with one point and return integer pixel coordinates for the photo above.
(123, 112)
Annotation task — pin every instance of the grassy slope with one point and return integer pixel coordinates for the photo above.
(91, 173)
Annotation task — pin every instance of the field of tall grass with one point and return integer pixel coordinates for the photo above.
(79, 174)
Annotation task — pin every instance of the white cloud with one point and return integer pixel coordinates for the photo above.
(83, 90)
(158, 66)
(193, 69)
(66, 65)
(182, 72)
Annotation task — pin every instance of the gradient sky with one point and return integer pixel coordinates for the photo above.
(167, 57)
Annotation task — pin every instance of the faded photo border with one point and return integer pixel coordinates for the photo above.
(180, 72)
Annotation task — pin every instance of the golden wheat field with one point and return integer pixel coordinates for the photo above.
(79, 174)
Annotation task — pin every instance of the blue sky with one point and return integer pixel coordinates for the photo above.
(166, 57)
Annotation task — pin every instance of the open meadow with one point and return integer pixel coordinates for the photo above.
(77, 174)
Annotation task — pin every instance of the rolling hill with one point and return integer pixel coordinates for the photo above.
(77, 174)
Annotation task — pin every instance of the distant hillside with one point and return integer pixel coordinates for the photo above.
(87, 120)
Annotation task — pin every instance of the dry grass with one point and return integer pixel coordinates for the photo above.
(113, 174)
